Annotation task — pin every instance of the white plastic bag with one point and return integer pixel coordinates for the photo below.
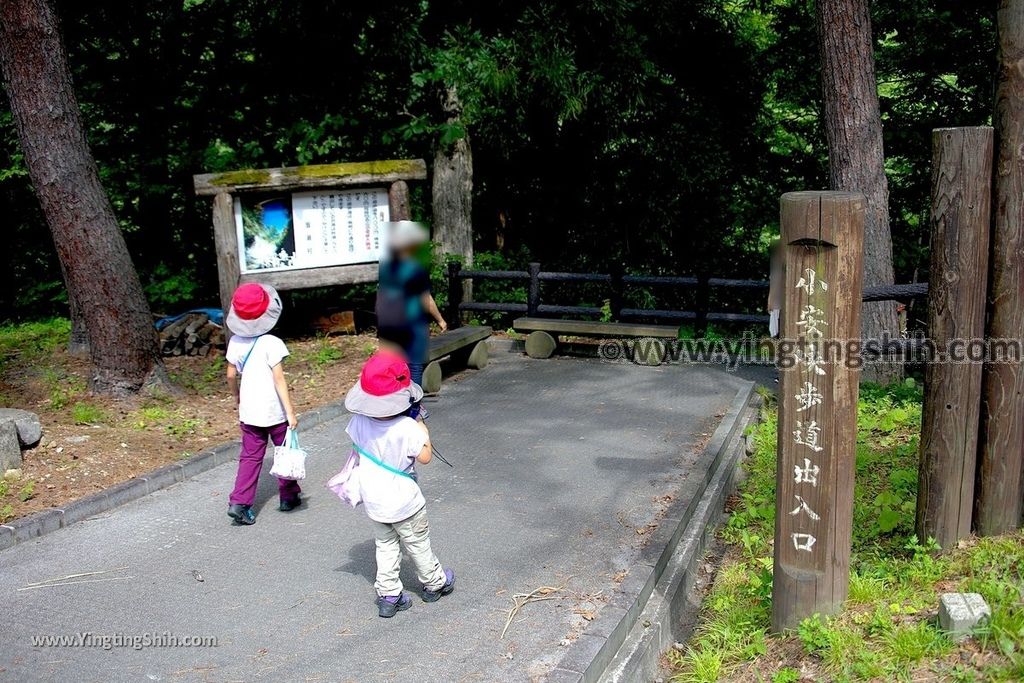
(345, 484)
(289, 459)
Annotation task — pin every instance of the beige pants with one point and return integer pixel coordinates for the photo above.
(412, 535)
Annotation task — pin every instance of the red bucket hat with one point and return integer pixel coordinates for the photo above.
(255, 309)
(384, 388)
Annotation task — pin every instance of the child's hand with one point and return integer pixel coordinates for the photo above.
(293, 421)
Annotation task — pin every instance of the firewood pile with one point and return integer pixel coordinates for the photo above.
(193, 334)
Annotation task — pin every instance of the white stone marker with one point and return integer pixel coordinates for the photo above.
(959, 613)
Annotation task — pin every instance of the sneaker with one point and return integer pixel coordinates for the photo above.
(242, 514)
(391, 605)
(290, 504)
(448, 587)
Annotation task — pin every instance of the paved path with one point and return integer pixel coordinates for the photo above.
(558, 464)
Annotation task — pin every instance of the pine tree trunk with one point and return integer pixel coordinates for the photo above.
(453, 190)
(853, 125)
(78, 344)
(100, 276)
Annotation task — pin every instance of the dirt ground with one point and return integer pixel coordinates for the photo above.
(90, 443)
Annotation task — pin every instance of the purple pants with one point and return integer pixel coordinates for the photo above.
(250, 462)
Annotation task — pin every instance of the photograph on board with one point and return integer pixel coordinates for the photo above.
(266, 232)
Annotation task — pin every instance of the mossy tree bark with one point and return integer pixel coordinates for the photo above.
(853, 126)
(100, 275)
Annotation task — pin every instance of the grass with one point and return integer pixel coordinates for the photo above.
(85, 413)
(888, 630)
(30, 342)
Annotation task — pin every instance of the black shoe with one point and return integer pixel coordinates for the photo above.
(448, 587)
(392, 605)
(242, 514)
(290, 504)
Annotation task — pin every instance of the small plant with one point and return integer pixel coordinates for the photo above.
(27, 491)
(87, 414)
(6, 513)
(184, 427)
(606, 311)
(786, 674)
(814, 634)
(324, 353)
(369, 348)
(5, 487)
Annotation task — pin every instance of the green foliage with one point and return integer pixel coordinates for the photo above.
(184, 427)
(6, 513)
(27, 491)
(167, 290)
(31, 342)
(787, 675)
(5, 487)
(85, 413)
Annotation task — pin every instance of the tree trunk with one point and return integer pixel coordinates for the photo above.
(1001, 450)
(853, 125)
(78, 344)
(453, 190)
(100, 276)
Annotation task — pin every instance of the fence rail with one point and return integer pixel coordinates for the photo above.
(617, 283)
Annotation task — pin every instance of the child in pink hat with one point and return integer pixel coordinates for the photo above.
(387, 444)
(265, 409)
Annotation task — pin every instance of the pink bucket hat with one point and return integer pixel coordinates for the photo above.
(384, 388)
(255, 309)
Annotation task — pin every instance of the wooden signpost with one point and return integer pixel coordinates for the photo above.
(331, 216)
(822, 243)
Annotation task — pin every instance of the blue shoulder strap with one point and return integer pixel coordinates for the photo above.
(245, 360)
(372, 458)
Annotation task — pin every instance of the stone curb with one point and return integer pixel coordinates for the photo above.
(629, 634)
(46, 521)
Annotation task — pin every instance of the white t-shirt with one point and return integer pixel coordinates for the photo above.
(388, 497)
(258, 405)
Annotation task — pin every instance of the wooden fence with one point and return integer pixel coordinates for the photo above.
(617, 284)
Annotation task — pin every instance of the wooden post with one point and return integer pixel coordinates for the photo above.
(822, 240)
(700, 326)
(533, 294)
(225, 240)
(615, 300)
(398, 201)
(454, 317)
(961, 200)
(1001, 442)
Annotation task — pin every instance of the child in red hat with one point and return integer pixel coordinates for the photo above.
(381, 475)
(265, 409)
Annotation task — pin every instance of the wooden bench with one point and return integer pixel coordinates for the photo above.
(543, 333)
(466, 345)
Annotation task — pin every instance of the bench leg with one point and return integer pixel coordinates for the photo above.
(540, 345)
(478, 356)
(649, 351)
(432, 378)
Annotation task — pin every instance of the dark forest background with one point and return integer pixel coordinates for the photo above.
(657, 133)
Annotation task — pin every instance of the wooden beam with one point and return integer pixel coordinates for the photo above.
(225, 240)
(310, 177)
(960, 215)
(584, 328)
(451, 341)
(822, 243)
(315, 277)
(1001, 451)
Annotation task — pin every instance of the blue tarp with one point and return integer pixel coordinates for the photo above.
(216, 316)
